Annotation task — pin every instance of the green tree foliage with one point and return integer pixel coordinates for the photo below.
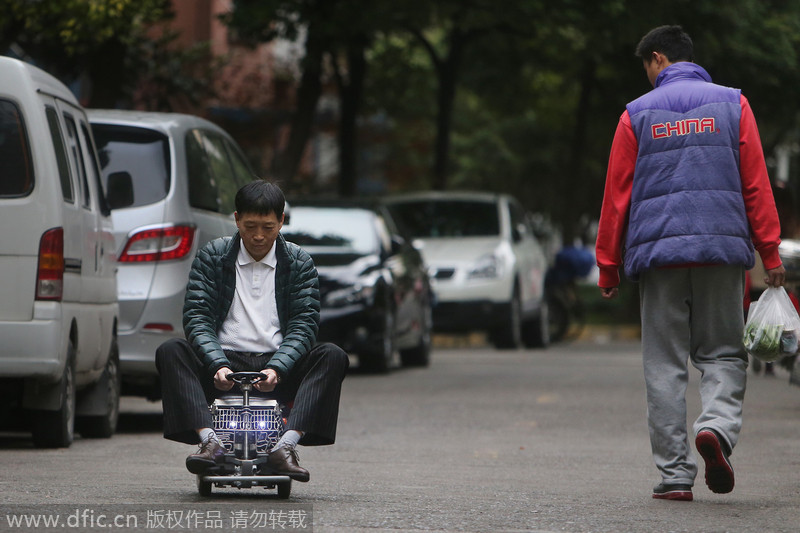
(337, 35)
(113, 45)
(74, 29)
(536, 110)
(522, 112)
(400, 89)
(750, 44)
(521, 96)
(447, 30)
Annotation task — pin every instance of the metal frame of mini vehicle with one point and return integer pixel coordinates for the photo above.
(248, 428)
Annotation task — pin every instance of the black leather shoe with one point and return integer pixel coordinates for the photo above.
(283, 461)
(719, 472)
(210, 454)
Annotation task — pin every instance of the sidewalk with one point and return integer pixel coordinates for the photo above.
(607, 333)
(594, 333)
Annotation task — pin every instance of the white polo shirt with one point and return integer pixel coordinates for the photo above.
(252, 323)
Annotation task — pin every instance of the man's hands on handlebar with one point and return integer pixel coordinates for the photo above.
(267, 385)
(221, 381)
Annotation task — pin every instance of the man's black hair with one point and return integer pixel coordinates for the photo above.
(671, 41)
(260, 197)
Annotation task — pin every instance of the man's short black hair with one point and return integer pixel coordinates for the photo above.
(671, 41)
(260, 197)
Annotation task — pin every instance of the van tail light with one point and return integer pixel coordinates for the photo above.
(158, 244)
(50, 270)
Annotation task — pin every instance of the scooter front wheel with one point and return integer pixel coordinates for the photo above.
(285, 490)
(203, 487)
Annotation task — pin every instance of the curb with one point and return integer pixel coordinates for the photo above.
(593, 333)
(608, 333)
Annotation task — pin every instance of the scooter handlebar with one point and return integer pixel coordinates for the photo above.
(246, 377)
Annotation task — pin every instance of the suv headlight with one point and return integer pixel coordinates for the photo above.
(351, 295)
(487, 267)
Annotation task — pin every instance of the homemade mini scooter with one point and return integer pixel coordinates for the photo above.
(248, 428)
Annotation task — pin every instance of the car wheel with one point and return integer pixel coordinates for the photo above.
(108, 387)
(536, 333)
(420, 355)
(559, 317)
(379, 358)
(56, 429)
(508, 336)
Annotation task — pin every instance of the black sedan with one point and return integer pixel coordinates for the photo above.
(374, 288)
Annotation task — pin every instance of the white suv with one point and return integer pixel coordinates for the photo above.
(58, 294)
(486, 265)
(185, 173)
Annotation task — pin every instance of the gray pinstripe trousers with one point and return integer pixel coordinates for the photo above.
(314, 385)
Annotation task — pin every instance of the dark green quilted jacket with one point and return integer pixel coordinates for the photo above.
(209, 294)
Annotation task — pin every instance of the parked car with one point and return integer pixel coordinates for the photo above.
(789, 251)
(185, 172)
(58, 294)
(374, 288)
(486, 265)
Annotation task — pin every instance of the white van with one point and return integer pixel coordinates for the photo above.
(58, 294)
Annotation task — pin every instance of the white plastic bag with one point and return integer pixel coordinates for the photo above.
(772, 327)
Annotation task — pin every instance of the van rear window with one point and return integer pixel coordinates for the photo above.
(142, 152)
(16, 174)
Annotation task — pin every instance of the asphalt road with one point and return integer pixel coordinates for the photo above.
(480, 441)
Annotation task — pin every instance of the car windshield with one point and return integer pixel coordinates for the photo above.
(447, 218)
(332, 230)
(141, 152)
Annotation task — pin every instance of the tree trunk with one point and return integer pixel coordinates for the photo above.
(288, 161)
(351, 89)
(447, 74)
(107, 74)
(574, 188)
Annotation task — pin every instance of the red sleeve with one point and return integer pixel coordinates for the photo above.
(616, 202)
(757, 191)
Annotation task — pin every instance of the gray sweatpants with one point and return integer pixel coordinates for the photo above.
(692, 314)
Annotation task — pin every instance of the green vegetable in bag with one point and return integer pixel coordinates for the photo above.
(764, 341)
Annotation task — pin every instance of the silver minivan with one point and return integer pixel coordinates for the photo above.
(58, 308)
(185, 173)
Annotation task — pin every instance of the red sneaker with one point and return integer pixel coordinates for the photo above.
(719, 472)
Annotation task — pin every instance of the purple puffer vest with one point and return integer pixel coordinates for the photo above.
(687, 205)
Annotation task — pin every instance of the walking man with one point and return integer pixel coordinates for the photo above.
(252, 304)
(687, 197)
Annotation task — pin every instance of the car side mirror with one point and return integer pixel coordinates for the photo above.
(518, 232)
(397, 244)
(120, 190)
(522, 231)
